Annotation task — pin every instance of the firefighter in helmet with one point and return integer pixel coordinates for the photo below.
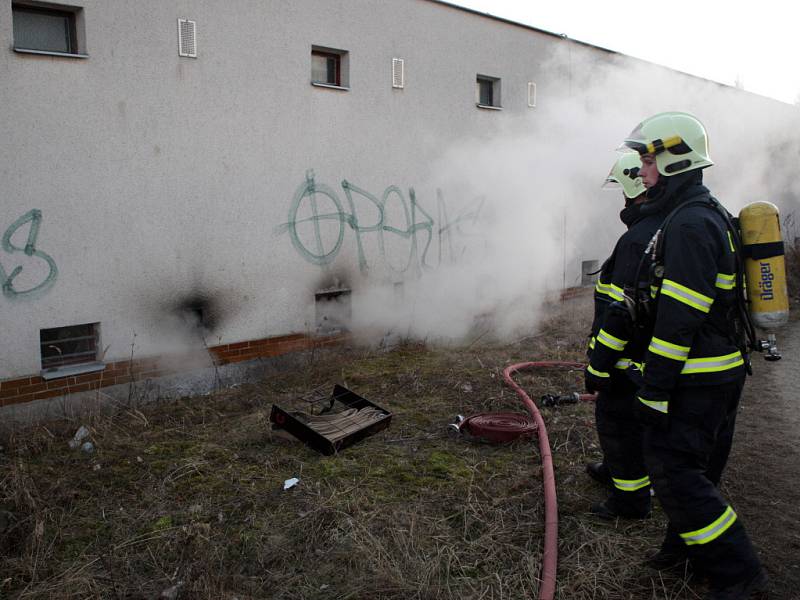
(695, 363)
(614, 358)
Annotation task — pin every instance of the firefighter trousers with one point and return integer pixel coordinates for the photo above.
(685, 465)
(620, 435)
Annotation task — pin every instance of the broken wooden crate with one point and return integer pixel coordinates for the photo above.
(329, 424)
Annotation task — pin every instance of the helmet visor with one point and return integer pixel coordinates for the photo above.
(611, 184)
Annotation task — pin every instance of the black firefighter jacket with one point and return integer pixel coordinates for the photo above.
(610, 349)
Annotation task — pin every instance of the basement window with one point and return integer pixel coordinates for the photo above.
(45, 28)
(488, 92)
(333, 311)
(70, 350)
(330, 68)
(589, 272)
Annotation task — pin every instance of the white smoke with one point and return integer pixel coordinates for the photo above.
(541, 174)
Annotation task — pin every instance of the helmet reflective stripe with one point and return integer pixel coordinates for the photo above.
(681, 293)
(662, 407)
(711, 532)
(668, 350)
(611, 341)
(625, 174)
(597, 373)
(712, 364)
(677, 140)
(631, 485)
(725, 282)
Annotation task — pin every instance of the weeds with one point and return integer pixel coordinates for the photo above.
(186, 495)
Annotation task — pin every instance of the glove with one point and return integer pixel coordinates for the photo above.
(594, 381)
(652, 408)
(634, 375)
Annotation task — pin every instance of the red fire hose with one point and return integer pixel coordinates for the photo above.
(550, 553)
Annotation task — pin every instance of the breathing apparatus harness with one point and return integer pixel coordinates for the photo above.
(640, 302)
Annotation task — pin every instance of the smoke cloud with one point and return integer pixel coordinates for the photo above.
(540, 175)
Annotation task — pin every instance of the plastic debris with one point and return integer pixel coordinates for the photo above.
(172, 593)
(79, 436)
(290, 483)
(87, 447)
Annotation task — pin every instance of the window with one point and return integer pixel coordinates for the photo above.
(333, 310)
(488, 92)
(48, 29)
(329, 67)
(65, 347)
(589, 271)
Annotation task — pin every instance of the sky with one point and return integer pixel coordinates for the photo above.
(754, 44)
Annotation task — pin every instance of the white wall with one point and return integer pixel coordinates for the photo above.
(160, 179)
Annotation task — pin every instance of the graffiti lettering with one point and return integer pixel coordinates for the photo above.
(34, 217)
(318, 236)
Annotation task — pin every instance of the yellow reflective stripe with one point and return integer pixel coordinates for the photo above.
(597, 373)
(713, 364)
(668, 350)
(710, 532)
(662, 407)
(624, 363)
(601, 288)
(591, 343)
(631, 485)
(730, 241)
(615, 292)
(688, 296)
(725, 282)
(611, 341)
(653, 291)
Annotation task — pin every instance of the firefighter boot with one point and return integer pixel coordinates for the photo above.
(599, 472)
(613, 508)
(753, 587)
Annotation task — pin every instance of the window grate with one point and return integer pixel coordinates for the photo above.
(187, 38)
(72, 345)
(398, 73)
(531, 94)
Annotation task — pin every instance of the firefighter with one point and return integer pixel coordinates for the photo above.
(695, 362)
(614, 357)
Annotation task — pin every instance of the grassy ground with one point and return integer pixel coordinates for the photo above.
(185, 499)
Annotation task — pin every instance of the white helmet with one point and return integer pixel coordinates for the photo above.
(677, 139)
(625, 174)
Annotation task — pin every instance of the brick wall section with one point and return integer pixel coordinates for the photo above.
(25, 389)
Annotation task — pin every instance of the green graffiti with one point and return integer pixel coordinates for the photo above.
(417, 226)
(34, 217)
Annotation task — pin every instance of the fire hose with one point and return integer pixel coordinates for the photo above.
(550, 551)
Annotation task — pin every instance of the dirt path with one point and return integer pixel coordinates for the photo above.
(763, 478)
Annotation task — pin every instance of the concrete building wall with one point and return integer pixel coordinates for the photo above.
(157, 181)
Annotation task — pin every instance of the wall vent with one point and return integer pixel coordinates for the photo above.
(187, 38)
(398, 73)
(531, 94)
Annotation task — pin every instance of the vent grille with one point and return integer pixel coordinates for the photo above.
(531, 94)
(187, 38)
(398, 73)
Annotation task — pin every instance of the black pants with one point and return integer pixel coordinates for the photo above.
(685, 465)
(620, 437)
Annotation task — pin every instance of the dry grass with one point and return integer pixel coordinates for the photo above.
(185, 497)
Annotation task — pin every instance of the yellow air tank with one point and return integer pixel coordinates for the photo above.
(765, 268)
